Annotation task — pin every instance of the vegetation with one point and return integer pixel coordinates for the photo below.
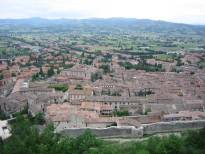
(67, 66)
(13, 74)
(120, 113)
(10, 52)
(39, 76)
(144, 92)
(201, 64)
(179, 61)
(143, 66)
(147, 111)
(2, 115)
(109, 93)
(50, 72)
(36, 77)
(38, 119)
(79, 87)
(27, 139)
(59, 87)
(1, 76)
(106, 58)
(176, 69)
(96, 76)
(165, 58)
(105, 68)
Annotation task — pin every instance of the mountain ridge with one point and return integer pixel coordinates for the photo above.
(39, 19)
(105, 24)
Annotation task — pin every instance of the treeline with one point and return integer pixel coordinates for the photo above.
(26, 139)
(142, 65)
(41, 75)
(149, 52)
(8, 52)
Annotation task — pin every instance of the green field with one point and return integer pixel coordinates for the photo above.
(165, 58)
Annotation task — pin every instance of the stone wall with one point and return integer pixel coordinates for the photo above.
(146, 119)
(128, 131)
(133, 132)
(175, 126)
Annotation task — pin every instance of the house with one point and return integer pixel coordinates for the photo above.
(22, 59)
(64, 115)
(119, 102)
(67, 116)
(79, 72)
(76, 96)
(99, 108)
(39, 102)
(184, 115)
(4, 130)
(13, 103)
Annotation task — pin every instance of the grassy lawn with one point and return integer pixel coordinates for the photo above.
(59, 87)
(165, 58)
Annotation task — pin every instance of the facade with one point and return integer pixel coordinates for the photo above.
(99, 108)
(79, 72)
(4, 130)
(118, 102)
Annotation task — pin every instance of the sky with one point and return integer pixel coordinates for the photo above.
(182, 11)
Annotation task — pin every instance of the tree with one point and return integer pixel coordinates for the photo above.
(2, 115)
(83, 54)
(50, 72)
(58, 71)
(96, 76)
(86, 141)
(13, 74)
(59, 87)
(106, 68)
(79, 87)
(120, 113)
(39, 119)
(35, 77)
(26, 139)
(1, 76)
(41, 73)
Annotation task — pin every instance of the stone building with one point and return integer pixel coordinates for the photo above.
(99, 108)
(118, 103)
(13, 103)
(79, 72)
(38, 103)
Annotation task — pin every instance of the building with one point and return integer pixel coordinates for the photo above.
(99, 108)
(79, 72)
(4, 130)
(13, 103)
(184, 115)
(119, 102)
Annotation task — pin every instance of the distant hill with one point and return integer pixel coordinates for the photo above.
(127, 25)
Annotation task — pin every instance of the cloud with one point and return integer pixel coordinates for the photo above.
(171, 10)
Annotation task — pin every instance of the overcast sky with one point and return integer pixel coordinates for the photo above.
(185, 11)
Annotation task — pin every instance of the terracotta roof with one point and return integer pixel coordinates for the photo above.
(95, 106)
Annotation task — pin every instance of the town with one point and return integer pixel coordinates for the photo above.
(85, 82)
(102, 77)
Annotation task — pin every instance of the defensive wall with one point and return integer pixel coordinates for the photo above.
(133, 132)
(174, 126)
(127, 131)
